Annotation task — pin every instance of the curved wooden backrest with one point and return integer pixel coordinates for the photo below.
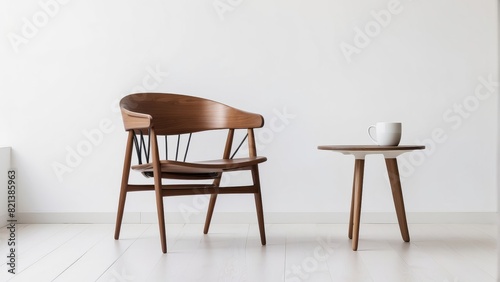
(178, 114)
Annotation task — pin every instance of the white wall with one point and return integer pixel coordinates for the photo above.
(65, 64)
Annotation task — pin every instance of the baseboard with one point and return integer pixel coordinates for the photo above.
(3, 220)
(5, 166)
(270, 218)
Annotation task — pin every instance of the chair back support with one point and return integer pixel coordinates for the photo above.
(174, 114)
(171, 114)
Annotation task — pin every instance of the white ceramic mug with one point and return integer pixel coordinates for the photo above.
(386, 133)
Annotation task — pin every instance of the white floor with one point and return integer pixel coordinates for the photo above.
(232, 252)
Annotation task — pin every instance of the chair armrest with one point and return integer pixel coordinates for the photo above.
(133, 120)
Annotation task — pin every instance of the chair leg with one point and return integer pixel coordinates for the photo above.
(158, 190)
(260, 217)
(124, 185)
(161, 221)
(119, 215)
(210, 212)
(258, 205)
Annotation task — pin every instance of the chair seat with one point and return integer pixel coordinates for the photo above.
(202, 167)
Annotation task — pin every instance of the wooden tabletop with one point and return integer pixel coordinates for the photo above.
(360, 151)
(370, 147)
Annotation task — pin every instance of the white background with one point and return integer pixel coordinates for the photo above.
(62, 77)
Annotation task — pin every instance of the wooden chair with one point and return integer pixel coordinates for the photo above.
(148, 116)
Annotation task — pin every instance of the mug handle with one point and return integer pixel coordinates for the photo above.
(370, 134)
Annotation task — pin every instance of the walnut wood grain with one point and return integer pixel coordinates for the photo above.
(162, 110)
(390, 153)
(369, 148)
(161, 114)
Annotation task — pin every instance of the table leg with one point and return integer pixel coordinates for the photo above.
(351, 214)
(359, 167)
(397, 194)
